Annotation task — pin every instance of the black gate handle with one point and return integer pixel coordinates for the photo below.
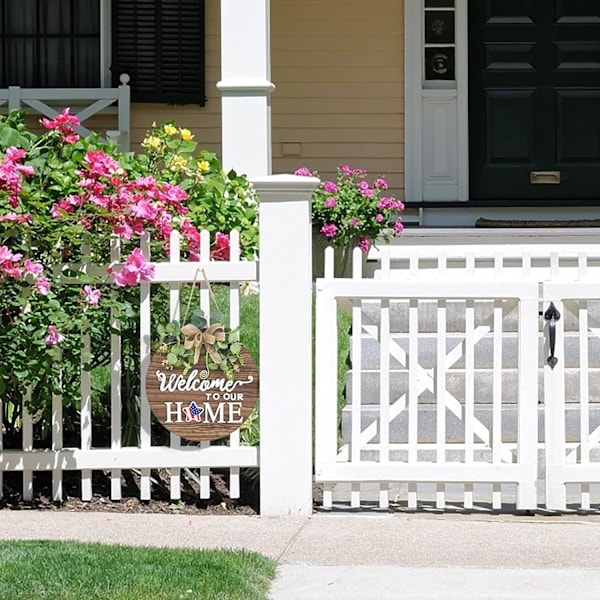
(552, 315)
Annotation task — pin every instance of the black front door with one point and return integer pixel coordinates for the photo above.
(534, 99)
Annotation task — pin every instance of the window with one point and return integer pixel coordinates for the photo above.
(50, 43)
(439, 40)
(160, 45)
(63, 43)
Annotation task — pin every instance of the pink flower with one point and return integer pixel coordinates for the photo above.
(144, 209)
(364, 244)
(398, 226)
(330, 188)
(386, 203)
(362, 185)
(303, 172)
(329, 231)
(191, 234)
(63, 123)
(346, 170)
(66, 205)
(330, 202)
(53, 336)
(12, 270)
(71, 138)
(380, 184)
(221, 247)
(101, 164)
(42, 285)
(5, 254)
(123, 230)
(134, 270)
(32, 268)
(15, 154)
(92, 296)
(15, 218)
(379, 218)
(354, 222)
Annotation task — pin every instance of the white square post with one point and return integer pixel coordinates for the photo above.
(285, 263)
(245, 87)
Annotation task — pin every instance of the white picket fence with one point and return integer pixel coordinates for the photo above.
(451, 401)
(146, 456)
(284, 455)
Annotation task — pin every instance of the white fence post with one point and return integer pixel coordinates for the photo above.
(285, 344)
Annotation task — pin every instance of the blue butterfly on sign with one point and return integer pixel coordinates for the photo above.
(193, 412)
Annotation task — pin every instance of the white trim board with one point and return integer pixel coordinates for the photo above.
(437, 119)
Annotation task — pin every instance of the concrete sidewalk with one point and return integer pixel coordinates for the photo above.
(391, 556)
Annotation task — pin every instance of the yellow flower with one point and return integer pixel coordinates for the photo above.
(170, 129)
(186, 135)
(153, 142)
(178, 163)
(204, 166)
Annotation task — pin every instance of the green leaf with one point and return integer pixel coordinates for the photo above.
(199, 322)
(172, 358)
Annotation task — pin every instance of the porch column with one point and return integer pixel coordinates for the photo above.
(246, 87)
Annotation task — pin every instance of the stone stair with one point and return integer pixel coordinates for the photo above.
(483, 377)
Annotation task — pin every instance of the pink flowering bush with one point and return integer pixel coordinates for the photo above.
(353, 210)
(63, 198)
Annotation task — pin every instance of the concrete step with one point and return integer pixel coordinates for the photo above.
(455, 427)
(455, 384)
(484, 350)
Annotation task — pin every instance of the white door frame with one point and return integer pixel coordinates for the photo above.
(437, 117)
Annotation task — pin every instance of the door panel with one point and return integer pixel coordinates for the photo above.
(514, 144)
(534, 98)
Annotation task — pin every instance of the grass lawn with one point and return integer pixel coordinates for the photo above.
(35, 570)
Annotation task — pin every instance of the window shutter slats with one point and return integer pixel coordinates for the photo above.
(160, 45)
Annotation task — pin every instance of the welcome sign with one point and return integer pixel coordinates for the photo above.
(198, 404)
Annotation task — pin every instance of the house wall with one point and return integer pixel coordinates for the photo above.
(339, 75)
(338, 68)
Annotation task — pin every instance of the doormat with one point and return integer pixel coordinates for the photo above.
(512, 223)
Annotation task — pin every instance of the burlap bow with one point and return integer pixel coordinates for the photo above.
(198, 338)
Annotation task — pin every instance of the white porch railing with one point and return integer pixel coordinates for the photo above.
(84, 102)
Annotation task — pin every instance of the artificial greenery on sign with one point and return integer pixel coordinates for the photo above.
(197, 343)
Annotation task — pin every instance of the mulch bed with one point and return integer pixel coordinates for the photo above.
(219, 502)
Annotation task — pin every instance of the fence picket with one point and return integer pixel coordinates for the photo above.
(174, 309)
(115, 385)
(86, 417)
(496, 440)
(57, 441)
(234, 323)
(27, 445)
(440, 391)
(145, 337)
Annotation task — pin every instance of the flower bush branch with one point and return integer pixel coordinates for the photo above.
(62, 199)
(218, 202)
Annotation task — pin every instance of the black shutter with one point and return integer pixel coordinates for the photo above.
(160, 45)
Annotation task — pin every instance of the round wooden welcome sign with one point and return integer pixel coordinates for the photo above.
(201, 405)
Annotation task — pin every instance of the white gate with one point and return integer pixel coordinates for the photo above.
(572, 427)
(446, 401)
